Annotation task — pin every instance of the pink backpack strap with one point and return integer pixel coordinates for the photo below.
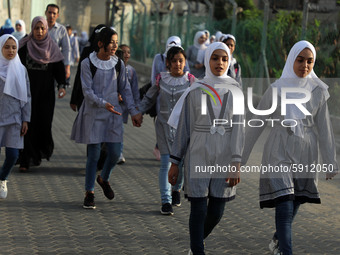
(158, 78)
(191, 78)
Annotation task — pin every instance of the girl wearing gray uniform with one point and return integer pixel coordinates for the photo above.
(195, 55)
(234, 68)
(168, 88)
(15, 105)
(205, 145)
(99, 119)
(294, 150)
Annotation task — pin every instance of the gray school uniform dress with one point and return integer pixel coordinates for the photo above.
(133, 81)
(192, 53)
(12, 114)
(207, 146)
(166, 95)
(284, 148)
(94, 124)
(235, 71)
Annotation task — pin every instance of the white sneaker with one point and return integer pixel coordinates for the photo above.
(121, 159)
(3, 189)
(274, 247)
(190, 252)
(277, 252)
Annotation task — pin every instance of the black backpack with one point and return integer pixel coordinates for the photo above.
(142, 92)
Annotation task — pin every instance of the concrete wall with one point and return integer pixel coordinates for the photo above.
(76, 13)
(98, 11)
(18, 11)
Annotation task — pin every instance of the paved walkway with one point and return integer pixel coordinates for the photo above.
(43, 213)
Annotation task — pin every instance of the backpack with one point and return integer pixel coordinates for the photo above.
(142, 92)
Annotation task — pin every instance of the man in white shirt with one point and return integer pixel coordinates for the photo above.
(59, 34)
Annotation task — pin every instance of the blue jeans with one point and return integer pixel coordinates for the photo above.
(164, 185)
(284, 215)
(122, 145)
(204, 216)
(93, 154)
(12, 155)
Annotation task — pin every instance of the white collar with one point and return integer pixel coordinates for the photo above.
(55, 26)
(103, 64)
(174, 81)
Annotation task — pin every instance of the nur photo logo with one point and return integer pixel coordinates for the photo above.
(239, 103)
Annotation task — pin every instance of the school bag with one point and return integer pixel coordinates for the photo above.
(142, 92)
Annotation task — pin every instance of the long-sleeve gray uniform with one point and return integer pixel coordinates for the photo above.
(167, 96)
(205, 147)
(12, 114)
(94, 124)
(284, 149)
(192, 53)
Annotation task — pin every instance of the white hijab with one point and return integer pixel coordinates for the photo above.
(13, 73)
(218, 36)
(172, 41)
(201, 47)
(207, 33)
(18, 35)
(209, 79)
(291, 80)
(196, 43)
(228, 36)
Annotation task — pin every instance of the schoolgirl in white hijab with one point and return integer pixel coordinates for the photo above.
(200, 46)
(19, 34)
(294, 150)
(207, 33)
(235, 68)
(209, 79)
(218, 36)
(201, 143)
(291, 80)
(15, 105)
(195, 54)
(13, 73)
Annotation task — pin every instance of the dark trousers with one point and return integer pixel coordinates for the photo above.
(11, 157)
(284, 215)
(204, 216)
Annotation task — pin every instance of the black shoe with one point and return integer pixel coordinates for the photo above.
(176, 198)
(89, 201)
(108, 192)
(167, 209)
